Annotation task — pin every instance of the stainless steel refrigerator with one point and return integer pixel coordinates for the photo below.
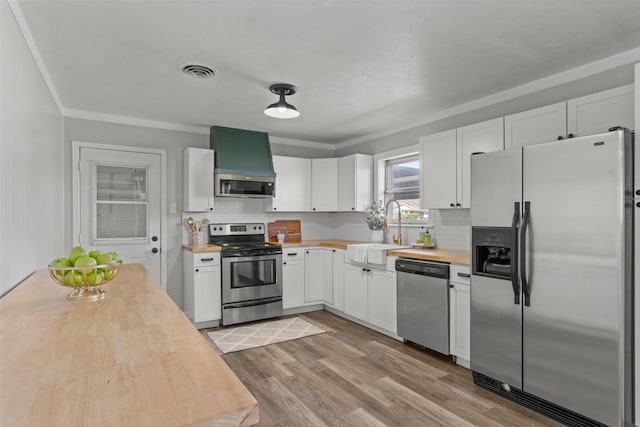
(551, 283)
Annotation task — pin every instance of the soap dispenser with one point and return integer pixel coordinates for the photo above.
(427, 238)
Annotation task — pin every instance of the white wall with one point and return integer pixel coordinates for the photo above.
(31, 162)
(174, 142)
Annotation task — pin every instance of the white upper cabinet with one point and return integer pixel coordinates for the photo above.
(590, 114)
(438, 170)
(483, 137)
(324, 185)
(445, 162)
(600, 111)
(355, 179)
(536, 126)
(197, 179)
(293, 185)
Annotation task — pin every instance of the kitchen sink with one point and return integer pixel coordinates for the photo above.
(371, 253)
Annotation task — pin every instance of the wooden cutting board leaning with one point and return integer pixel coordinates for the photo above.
(290, 228)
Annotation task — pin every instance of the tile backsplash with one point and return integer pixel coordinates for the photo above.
(451, 227)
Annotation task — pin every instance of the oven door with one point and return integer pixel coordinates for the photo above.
(251, 278)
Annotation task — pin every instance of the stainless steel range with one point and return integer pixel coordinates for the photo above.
(251, 272)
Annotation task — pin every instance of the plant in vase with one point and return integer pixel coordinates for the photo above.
(375, 220)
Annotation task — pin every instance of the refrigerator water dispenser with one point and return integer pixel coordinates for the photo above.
(494, 251)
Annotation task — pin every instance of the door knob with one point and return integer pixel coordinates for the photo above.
(154, 239)
(154, 250)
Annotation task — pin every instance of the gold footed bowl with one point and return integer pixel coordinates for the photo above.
(86, 281)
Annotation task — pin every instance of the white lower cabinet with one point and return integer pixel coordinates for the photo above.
(338, 279)
(355, 291)
(292, 278)
(381, 298)
(370, 295)
(201, 291)
(460, 314)
(318, 275)
(312, 276)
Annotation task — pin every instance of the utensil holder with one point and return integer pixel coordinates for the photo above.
(197, 239)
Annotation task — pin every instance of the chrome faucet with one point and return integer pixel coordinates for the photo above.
(397, 241)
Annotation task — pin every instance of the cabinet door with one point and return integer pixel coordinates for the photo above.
(382, 299)
(460, 321)
(292, 283)
(293, 184)
(318, 275)
(338, 280)
(438, 170)
(355, 175)
(324, 185)
(600, 111)
(207, 298)
(355, 291)
(483, 137)
(536, 126)
(197, 180)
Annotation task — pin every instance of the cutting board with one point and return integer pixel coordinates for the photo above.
(290, 228)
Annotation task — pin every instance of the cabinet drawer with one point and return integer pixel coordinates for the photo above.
(204, 259)
(460, 274)
(296, 253)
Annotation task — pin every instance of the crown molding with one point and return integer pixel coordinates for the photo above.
(134, 121)
(35, 53)
(606, 64)
(301, 143)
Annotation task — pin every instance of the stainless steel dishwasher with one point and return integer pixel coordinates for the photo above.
(423, 303)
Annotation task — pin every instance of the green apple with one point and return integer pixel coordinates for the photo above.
(95, 254)
(76, 253)
(109, 273)
(73, 278)
(95, 277)
(105, 259)
(85, 261)
(61, 262)
(115, 256)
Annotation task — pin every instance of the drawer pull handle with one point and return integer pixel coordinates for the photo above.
(466, 275)
(293, 253)
(206, 259)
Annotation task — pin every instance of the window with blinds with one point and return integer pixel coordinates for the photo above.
(402, 177)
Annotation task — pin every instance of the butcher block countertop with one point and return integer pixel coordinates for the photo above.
(442, 255)
(434, 254)
(131, 359)
(330, 243)
(208, 248)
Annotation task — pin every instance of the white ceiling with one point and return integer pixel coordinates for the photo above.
(361, 67)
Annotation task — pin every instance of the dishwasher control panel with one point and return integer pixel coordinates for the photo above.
(413, 266)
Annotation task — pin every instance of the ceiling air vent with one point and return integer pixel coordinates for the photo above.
(198, 71)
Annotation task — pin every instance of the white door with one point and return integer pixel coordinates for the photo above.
(119, 205)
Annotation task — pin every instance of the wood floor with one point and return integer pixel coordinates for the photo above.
(353, 376)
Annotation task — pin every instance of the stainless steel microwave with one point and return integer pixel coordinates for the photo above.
(228, 185)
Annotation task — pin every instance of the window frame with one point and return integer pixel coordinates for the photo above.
(382, 179)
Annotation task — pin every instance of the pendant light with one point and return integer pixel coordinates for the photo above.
(281, 109)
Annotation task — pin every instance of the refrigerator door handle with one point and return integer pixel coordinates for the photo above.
(523, 254)
(514, 254)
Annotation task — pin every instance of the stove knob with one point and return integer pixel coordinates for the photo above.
(254, 227)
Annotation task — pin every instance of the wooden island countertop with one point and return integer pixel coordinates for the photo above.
(132, 359)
